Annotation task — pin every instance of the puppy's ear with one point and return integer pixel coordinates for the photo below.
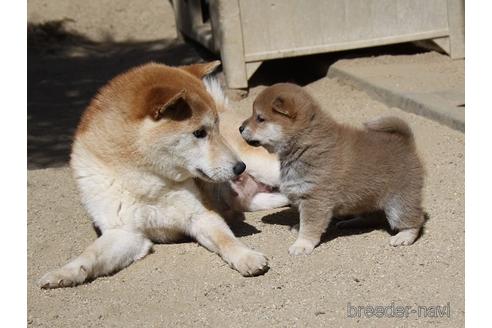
(280, 105)
(167, 103)
(202, 69)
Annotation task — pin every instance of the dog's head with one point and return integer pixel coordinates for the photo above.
(179, 132)
(280, 112)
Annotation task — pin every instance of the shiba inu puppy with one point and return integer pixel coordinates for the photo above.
(332, 169)
(147, 155)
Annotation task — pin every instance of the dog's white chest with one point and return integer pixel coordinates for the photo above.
(142, 202)
(293, 184)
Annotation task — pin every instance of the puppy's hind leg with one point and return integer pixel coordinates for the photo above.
(114, 250)
(405, 237)
(405, 217)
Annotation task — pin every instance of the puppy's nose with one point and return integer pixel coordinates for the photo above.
(241, 129)
(239, 168)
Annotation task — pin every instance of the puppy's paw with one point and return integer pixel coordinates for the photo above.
(64, 277)
(302, 247)
(295, 228)
(404, 238)
(249, 263)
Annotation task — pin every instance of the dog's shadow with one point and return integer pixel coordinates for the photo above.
(340, 226)
(239, 227)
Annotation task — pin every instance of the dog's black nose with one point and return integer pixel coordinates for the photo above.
(239, 168)
(241, 129)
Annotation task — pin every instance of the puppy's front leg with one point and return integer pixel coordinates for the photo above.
(213, 233)
(114, 250)
(314, 219)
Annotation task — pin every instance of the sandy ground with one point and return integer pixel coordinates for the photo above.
(109, 20)
(436, 73)
(185, 285)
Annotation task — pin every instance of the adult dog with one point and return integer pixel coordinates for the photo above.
(152, 166)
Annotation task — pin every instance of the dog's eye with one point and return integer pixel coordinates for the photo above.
(200, 133)
(259, 119)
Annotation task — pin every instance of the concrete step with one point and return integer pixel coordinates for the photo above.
(429, 84)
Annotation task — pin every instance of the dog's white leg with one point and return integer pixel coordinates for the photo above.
(265, 201)
(406, 216)
(314, 219)
(114, 250)
(405, 237)
(213, 233)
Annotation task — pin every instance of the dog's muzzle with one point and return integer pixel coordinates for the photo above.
(239, 168)
(254, 143)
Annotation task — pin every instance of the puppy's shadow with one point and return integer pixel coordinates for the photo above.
(356, 225)
(287, 217)
(239, 227)
(340, 226)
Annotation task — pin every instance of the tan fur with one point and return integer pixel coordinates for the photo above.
(146, 176)
(332, 169)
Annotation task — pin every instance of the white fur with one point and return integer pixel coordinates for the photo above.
(267, 173)
(151, 198)
(405, 237)
(180, 156)
(216, 91)
(269, 135)
(302, 246)
(265, 201)
(135, 208)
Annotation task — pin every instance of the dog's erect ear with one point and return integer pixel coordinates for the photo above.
(168, 103)
(280, 105)
(201, 69)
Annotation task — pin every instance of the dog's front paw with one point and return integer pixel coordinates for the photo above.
(64, 277)
(249, 263)
(302, 247)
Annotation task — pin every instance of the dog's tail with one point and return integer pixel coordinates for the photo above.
(214, 88)
(390, 124)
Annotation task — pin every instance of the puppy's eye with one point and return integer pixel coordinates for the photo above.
(200, 133)
(259, 119)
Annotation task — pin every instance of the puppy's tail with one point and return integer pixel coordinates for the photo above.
(390, 124)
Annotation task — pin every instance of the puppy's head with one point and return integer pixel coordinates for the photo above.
(280, 112)
(179, 133)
